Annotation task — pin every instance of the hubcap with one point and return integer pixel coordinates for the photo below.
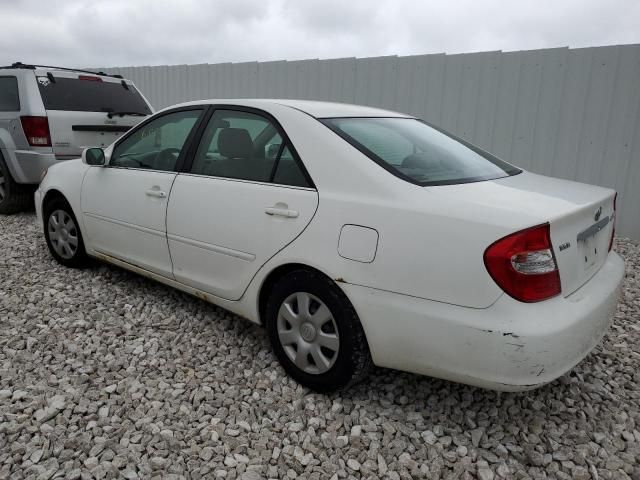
(63, 234)
(308, 333)
(2, 187)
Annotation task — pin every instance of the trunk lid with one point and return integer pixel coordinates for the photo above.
(581, 241)
(581, 217)
(77, 107)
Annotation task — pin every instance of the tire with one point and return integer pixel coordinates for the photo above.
(13, 196)
(323, 355)
(63, 235)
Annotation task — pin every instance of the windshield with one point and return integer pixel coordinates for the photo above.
(78, 95)
(419, 153)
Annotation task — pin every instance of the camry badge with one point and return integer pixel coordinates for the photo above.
(596, 217)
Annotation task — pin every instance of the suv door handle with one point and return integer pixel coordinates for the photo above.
(281, 212)
(156, 193)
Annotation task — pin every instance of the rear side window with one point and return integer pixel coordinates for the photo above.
(84, 95)
(246, 146)
(419, 153)
(9, 99)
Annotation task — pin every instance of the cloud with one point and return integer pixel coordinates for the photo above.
(151, 32)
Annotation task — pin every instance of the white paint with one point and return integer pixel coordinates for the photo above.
(122, 220)
(228, 217)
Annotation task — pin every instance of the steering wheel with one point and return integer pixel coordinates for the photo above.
(166, 159)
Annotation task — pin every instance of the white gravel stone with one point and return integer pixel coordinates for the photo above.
(207, 453)
(353, 464)
(106, 374)
(485, 474)
(429, 437)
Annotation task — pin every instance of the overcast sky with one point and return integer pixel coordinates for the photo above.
(105, 33)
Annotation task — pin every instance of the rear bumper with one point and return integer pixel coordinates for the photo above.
(28, 166)
(509, 346)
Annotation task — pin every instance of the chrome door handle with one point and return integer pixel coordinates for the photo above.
(281, 212)
(156, 193)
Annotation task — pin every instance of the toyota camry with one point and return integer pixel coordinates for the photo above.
(356, 236)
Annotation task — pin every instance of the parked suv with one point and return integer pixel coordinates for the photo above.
(50, 114)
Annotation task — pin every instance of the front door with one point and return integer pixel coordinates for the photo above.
(244, 198)
(124, 204)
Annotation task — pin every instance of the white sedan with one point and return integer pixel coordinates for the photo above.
(356, 236)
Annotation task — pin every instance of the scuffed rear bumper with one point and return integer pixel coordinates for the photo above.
(509, 346)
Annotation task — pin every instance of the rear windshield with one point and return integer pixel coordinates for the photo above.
(90, 96)
(419, 153)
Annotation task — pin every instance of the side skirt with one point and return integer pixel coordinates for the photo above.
(232, 306)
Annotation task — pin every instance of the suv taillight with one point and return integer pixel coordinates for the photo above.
(524, 266)
(613, 228)
(36, 130)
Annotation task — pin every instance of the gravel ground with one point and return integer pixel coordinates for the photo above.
(105, 374)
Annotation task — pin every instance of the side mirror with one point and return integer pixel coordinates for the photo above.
(271, 151)
(93, 156)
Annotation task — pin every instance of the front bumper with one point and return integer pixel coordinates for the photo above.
(508, 346)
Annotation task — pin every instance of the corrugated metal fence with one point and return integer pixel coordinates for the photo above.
(571, 113)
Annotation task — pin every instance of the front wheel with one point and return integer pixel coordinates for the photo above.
(63, 235)
(316, 333)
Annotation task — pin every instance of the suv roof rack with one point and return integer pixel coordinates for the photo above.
(33, 67)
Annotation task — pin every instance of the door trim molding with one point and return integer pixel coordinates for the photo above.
(247, 257)
(140, 228)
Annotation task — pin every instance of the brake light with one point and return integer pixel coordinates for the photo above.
(36, 129)
(89, 78)
(613, 227)
(524, 266)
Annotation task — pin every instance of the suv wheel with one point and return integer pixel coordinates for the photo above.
(13, 196)
(63, 235)
(315, 332)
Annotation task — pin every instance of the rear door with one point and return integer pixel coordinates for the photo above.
(86, 110)
(245, 196)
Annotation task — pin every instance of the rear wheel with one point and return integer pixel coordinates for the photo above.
(63, 235)
(13, 196)
(315, 332)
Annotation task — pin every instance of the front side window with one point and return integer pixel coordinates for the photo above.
(418, 153)
(157, 144)
(9, 100)
(246, 146)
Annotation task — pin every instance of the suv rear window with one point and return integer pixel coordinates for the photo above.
(419, 153)
(9, 100)
(90, 96)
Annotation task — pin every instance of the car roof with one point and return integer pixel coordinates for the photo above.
(314, 108)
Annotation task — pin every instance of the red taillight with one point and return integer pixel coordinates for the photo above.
(613, 227)
(523, 264)
(36, 130)
(89, 78)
